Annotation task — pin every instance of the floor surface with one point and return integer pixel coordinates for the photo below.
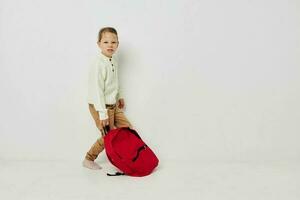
(55, 180)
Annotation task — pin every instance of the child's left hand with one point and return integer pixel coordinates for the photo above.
(121, 103)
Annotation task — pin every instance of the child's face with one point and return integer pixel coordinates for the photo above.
(108, 44)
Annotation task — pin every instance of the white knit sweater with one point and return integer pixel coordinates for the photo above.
(103, 84)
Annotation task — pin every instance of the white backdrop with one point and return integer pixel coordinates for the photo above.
(210, 80)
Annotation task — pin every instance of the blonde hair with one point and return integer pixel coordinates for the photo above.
(106, 29)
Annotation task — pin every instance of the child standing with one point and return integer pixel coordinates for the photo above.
(104, 96)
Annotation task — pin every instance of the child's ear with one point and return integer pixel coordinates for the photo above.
(98, 43)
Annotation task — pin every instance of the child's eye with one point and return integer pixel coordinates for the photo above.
(105, 42)
(114, 42)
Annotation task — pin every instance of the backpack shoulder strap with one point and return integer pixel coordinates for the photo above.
(115, 174)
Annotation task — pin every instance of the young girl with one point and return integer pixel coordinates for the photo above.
(104, 96)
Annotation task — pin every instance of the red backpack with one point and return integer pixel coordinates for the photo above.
(126, 150)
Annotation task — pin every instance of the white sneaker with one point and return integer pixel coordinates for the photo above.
(90, 164)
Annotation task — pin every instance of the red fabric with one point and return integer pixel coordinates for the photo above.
(122, 145)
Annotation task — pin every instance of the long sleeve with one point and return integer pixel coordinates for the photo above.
(120, 94)
(96, 94)
(120, 91)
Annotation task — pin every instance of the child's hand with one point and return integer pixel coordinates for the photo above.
(121, 103)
